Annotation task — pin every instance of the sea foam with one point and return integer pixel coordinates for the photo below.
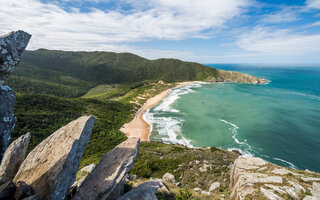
(234, 129)
(291, 165)
(169, 128)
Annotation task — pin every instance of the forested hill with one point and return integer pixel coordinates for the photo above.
(71, 74)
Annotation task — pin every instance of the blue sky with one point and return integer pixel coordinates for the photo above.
(206, 31)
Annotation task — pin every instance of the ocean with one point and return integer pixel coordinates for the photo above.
(278, 121)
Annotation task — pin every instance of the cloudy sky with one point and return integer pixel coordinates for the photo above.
(206, 31)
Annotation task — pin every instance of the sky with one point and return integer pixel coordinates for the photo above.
(205, 31)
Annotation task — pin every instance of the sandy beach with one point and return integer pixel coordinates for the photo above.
(140, 128)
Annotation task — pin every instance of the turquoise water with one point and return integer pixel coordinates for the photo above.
(279, 122)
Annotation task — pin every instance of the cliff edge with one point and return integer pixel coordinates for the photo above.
(12, 46)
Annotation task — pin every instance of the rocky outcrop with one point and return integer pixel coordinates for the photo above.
(251, 178)
(12, 46)
(14, 156)
(52, 166)
(23, 190)
(232, 76)
(145, 191)
(82, 174)
(106, 181)
(7, 118)
(7, 190)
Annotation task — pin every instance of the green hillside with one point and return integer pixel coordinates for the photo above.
(71, 74)
(56, 87)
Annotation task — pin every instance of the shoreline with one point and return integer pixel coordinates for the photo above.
(138, 127)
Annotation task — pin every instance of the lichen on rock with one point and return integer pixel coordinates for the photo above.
(12, 46)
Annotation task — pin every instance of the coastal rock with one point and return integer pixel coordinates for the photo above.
(7, 190)
(23, 190)
(282, 171)
(297, 186)
(33, 197)
(12, 46)
(52, 166)
(269, 194)
(310, 179)
(145, 191)
(242, 178)
(168, 177)
(106, 180)
(83, 173)
(7, 118)
(14, 156)
(246, 177)
(291, 191)
(275, 188)
(214, 186)
(3, 179)
(315, 189)
(308, 197)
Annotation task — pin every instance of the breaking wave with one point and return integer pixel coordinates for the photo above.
(169, 128)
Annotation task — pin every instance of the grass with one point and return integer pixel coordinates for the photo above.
(155, 159)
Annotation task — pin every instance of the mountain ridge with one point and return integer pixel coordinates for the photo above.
(72, 74)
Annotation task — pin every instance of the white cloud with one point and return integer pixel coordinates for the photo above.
(313, 4)
(54, 28)
(312, 24)
(280, 42)
(285, 15)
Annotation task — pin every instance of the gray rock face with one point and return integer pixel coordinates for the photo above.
(269, 194)
(242, 177)
(84, 173)
(7, 118)
(33, 197)
(316, 189)
(106, 180)
(145, 191)
(23, 190)
(7, 190)
(52, 166)
(12, 46)
(14, 156)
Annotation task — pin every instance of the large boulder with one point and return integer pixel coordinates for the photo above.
(7, 118)
(14, 156)
(82, 174)
(145, 191)
(242, 176)
(11, 47)
(254, 178)
(7, 190)
(106, 181)
(23, 190)
(52, 166)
